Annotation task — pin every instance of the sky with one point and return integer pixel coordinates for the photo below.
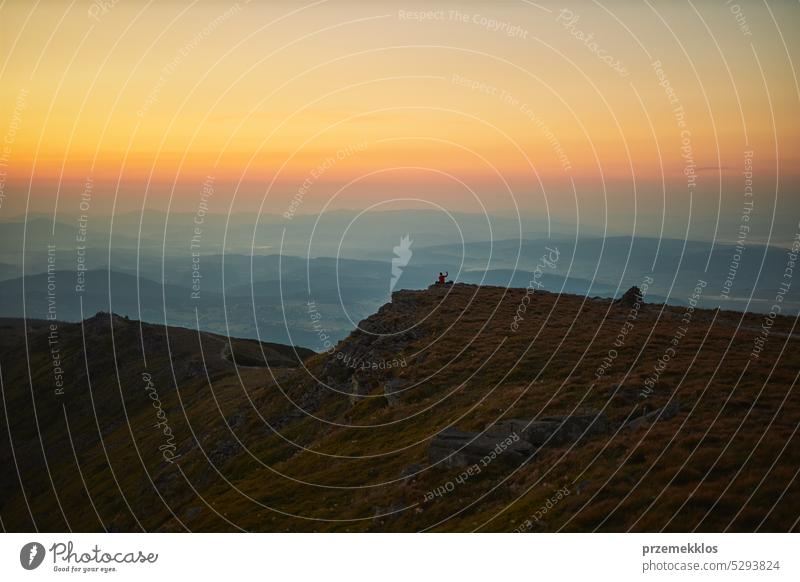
(606, 113)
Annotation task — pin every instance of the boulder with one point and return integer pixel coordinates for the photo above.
(552, 430)
(631, 297)
(455, 448)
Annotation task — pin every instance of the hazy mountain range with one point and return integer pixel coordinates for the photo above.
(343, 264)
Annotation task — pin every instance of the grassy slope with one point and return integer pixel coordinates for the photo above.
(727, 460)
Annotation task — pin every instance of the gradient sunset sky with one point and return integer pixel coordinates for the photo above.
(580, 109)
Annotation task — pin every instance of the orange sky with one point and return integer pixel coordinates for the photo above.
(495, 104)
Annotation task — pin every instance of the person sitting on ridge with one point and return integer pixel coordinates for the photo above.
(442, 278)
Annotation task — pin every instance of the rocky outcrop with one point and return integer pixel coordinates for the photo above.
(360, 385)
(372, 356)
(631, 297)
(552, 430)
(454, 448)
(513, 440)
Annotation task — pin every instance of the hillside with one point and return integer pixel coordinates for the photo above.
(441, 412)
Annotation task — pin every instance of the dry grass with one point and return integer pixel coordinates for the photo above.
(727, 461)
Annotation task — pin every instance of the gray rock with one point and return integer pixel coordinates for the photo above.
(393, 390)
(454, 448)
(663, 413)
(410, 472)
(361, 384)
(631, 297)
(552, 430)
